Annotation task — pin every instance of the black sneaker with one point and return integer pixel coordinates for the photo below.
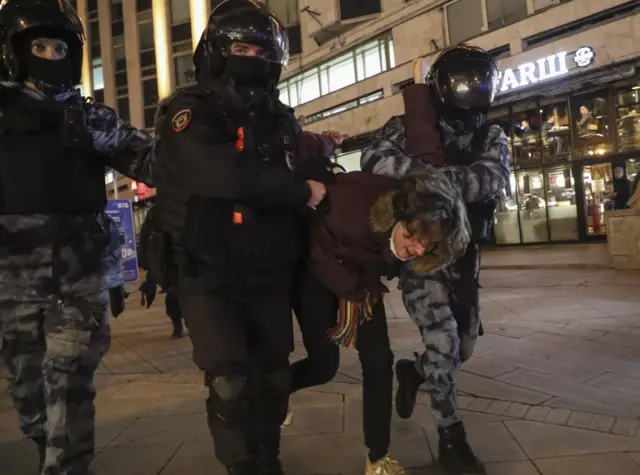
(409, 382)
(455, 454)
(248, 467)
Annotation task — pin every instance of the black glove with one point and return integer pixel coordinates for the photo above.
(116, 301)
(148, 293)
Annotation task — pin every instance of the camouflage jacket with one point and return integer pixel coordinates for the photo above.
(27, 242)
(481, 181)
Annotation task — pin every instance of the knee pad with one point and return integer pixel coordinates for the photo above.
(228, 398)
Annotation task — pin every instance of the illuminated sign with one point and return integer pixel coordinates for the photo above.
(550, 67)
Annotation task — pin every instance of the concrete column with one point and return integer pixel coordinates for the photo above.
(87, 59)
(134, 71)
(199, 17)
(106, 51)
(164, 57)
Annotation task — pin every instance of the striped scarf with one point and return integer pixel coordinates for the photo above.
(350, 316)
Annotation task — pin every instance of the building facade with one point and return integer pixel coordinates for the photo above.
(569, 92)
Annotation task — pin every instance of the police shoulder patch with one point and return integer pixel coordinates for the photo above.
(181, 120)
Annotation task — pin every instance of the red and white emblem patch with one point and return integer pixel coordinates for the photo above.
(181, 120)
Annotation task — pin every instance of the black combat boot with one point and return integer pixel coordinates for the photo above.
(409, 382)
(178, 331)
(248, 467)
(455, 455)
(41, 442)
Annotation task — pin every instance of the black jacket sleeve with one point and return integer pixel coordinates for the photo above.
(202, 158)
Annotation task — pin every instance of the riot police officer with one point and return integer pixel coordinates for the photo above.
(227, 202)
(54, 147)
(461, 84)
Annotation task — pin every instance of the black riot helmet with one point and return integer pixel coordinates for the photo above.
(245, 40)
(22, 21)
(464, 81)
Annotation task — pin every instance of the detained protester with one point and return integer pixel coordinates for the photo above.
(149, 287)
(366, 227)
(461, 84)
(230, 225)
(55, 144)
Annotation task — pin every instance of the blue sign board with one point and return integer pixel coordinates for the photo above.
(121, 211)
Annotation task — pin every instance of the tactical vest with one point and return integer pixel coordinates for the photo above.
(480, 215)
(209, 229)
(44, 169)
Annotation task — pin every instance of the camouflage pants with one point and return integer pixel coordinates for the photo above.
(444, 306)
(51, 351)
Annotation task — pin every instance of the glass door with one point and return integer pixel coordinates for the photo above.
(598, 187)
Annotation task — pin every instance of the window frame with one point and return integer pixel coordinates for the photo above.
(485, 19)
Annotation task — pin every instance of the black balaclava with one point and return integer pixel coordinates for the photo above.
(249, 71)
(50, 76)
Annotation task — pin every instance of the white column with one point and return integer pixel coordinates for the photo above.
(199, 19)
(87, 59)
(106, 52)
(134, 71)
(162, 37)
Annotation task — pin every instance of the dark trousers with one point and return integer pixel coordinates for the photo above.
(172, 307)
(242, 334)
(316, 310)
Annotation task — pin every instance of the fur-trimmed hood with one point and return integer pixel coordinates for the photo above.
(433, 182)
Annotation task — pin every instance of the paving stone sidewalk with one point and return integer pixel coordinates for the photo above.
(553, 389)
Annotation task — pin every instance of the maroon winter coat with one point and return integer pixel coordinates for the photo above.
(350, 244)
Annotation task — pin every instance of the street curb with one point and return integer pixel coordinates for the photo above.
(567, 266)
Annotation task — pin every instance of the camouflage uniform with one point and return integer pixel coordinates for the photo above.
(51, 309)
(433, 300)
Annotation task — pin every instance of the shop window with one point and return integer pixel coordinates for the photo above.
(500, 117)
(504, 12)
(464, 20)
(598, 186)
(591, 118)
(556, 133)
(146, 35)
(506, 227)
(597, 150)
(532, 204)
(561, 204)
(627, 105)
(179, 11)
(184, 70)
(340, 72)
(526, 134)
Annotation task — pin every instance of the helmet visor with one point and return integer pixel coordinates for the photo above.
(468, 84)
(250, 33)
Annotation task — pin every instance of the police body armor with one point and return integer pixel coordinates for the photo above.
(480, 215)
(47, 165)
(229, 234)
